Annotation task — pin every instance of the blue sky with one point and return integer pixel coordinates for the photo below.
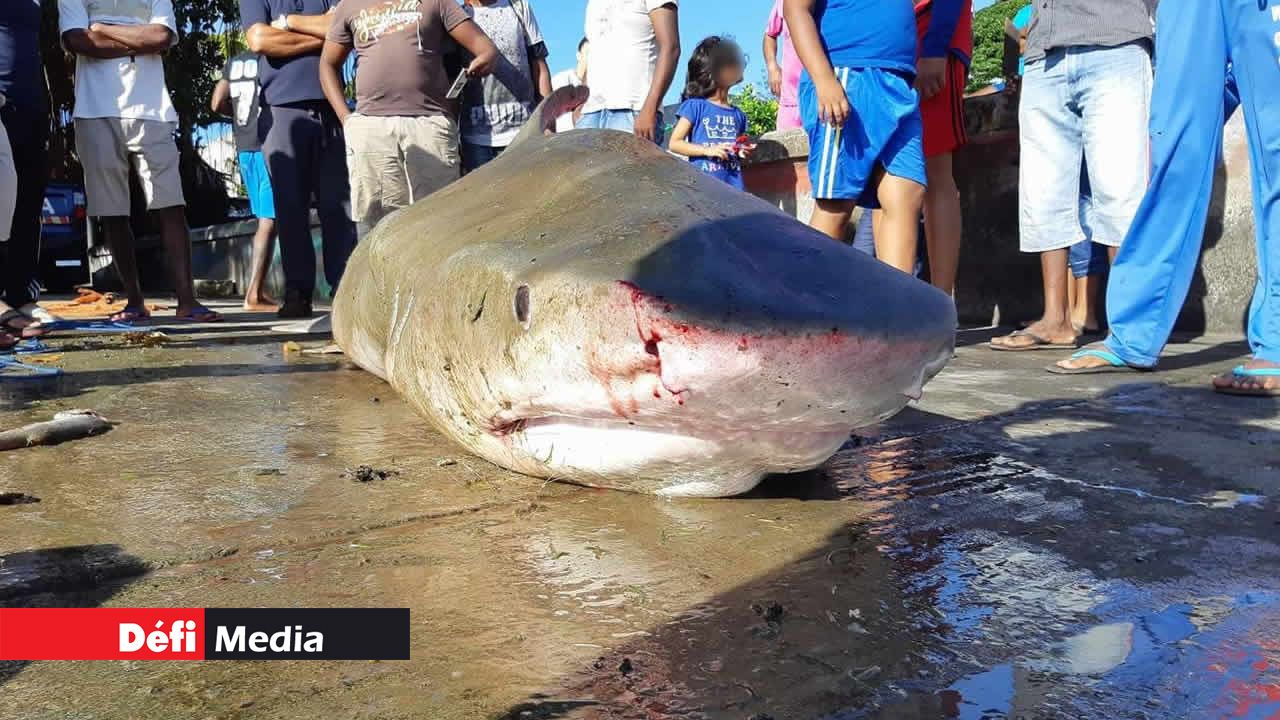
(562, 25)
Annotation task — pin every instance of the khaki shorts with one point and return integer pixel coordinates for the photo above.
(396, 161)
(110, 147)
(8, 186)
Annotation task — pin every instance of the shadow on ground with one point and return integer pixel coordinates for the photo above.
(1113, 557)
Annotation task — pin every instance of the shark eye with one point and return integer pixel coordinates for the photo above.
(521, 305)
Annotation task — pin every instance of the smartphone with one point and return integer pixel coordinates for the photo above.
(458, 85)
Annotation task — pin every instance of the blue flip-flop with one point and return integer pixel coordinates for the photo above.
(30, 346)
(14, 369)
(1114, 364)
(1240, 371)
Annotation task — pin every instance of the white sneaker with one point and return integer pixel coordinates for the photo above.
(39, 314)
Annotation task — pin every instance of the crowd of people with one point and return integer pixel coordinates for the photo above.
(1116, 164)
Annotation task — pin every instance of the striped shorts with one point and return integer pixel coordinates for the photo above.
(883, 129)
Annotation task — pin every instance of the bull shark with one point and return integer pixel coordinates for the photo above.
(587, 308)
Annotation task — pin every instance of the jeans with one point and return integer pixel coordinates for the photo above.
(623, 120)
(475, 156)
(306, 156)
(28, 130)
(1153, 272)
(1083, 104)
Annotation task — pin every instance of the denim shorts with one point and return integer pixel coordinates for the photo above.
(623, 120)
(1083, 103)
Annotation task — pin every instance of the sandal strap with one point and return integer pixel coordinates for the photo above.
(1248, 372)
(1101, 354)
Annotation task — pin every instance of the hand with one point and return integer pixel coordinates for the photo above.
(746, 151)
(480, 67)
(717, 152)
(775, 80)
(833, 104)
(647, 124)
(931, 76)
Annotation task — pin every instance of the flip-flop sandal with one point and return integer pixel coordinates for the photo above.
(31, 330)
(1241, 371)
(39, 314)
(130, 315)
(97, 326)
(1037, 343)
(30, 346)
(12, 369)
(200, 314)
(1114, 364)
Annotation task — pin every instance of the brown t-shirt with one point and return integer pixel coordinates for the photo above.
(400, 47)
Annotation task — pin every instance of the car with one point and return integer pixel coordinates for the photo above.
(64, 244)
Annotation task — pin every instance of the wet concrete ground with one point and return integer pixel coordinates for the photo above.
(1018, 545)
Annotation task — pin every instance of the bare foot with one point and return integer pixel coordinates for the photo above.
(263, 304)
(1037, 335)
(1256, 377)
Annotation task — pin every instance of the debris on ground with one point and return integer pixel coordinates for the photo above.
(144, 338)
(263, 472)
(91, 304)
(771, 612)
(291, 348)
(330, 349)
(367, 473)
(446, 462)
(43, 359)
(17, 498)
(626, 668)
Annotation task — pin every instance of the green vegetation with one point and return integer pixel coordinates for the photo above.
(761, 110)
(988, 41)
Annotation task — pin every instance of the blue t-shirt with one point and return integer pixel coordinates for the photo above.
(868, 33)
(715, 125)
(21, 72)
(1022, 21)
(295, 79)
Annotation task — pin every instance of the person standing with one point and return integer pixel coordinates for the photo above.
(124, 120)
(1086, 93)
(945, 37)
(237, 95)
(496, 107)
(634, 50)
(9, 336)
(1207, 49)
(573, 77)
(709, 126)
(784, 79)
(303, 143)
(403, 137)
(25, 116)
(862, 116)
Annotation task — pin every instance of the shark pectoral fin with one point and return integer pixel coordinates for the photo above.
(543, 121)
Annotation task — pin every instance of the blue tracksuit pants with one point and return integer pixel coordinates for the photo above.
(1195, 42)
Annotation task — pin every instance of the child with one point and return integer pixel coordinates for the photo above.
(709, 128)
(862, 117)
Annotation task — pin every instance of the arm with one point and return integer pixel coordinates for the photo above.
(316, 26)
(149, 39)
(931, 69)
(220, 102)
(681, 146)
(542, 77)
(833, 104)
(280, 44)
(771, 62)
(666, 30)
(332, 59)
(94, 45)
(472, 38)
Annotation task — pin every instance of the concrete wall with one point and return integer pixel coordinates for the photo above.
(997, 282)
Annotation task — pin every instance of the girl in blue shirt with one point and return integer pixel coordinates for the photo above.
(711, 131)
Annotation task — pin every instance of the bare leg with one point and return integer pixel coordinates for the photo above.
(832, 218)
(177, 247)
(120, 241)
(255, 298)
(942, 223)
(896, 238)
(1084, 302)
(1055, 326)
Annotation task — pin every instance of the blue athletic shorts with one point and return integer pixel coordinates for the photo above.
(884, 128)
(257, 185)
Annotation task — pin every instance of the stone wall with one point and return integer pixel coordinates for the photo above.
(999, 283)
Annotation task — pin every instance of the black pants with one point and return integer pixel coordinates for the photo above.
(28, 130)
(306, 156)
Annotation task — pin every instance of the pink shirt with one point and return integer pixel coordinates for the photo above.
(789, 103)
